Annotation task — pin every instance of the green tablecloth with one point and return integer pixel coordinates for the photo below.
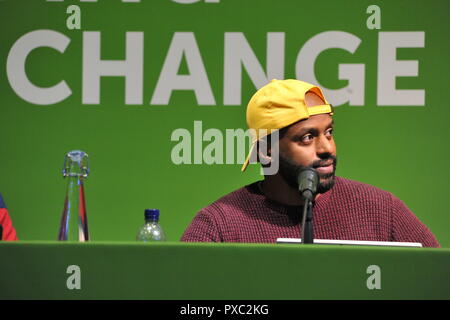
(38, 270)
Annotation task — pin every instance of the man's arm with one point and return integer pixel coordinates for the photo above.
(406, 227)
(9, 233)
(203, 228)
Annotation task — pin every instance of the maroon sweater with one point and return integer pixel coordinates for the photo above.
(349, 211)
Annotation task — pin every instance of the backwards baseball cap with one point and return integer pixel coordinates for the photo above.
(279, 104)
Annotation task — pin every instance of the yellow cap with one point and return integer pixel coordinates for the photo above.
(279, 104)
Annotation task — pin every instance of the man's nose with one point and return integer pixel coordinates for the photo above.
(324, 145)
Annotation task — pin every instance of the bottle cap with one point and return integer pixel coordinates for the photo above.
(151, 214)
(76, 164)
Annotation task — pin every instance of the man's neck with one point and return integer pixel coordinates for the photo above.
(275, 188)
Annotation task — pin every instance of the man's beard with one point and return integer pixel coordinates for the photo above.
(290, 171)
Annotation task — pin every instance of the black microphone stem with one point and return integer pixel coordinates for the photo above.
(307, 227)
(308, 180)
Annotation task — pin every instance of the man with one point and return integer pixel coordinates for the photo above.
(8, 232)
(266, 210)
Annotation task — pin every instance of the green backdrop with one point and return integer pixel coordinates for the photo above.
(399, 148)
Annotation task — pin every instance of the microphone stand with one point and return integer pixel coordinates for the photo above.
(308, 180)
(307, 225)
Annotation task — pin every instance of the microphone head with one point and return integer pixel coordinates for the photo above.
(308, 179)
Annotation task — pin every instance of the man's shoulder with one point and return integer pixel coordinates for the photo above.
(234, 201)
(353, 184)
(359, 189)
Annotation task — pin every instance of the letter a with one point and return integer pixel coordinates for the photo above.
(74, 281)
(374, 281)
(74, 20)
(181, 152)
(374, 21)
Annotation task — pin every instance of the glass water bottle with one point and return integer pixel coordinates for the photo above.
(74, 226)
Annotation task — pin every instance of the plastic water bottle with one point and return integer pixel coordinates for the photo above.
(151, 231)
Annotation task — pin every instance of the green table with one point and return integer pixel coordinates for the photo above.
(191, 271)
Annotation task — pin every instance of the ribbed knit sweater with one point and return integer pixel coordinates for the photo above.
(349, 211)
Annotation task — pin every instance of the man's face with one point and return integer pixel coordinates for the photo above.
(309, 143)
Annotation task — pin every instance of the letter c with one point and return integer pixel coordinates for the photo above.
(15, 67)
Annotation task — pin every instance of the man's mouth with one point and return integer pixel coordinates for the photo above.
(325, 168)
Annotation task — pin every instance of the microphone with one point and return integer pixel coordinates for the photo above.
(308, 180)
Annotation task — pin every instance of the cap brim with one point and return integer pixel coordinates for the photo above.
(247, 160)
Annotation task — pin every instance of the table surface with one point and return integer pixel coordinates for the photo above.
(220, 271)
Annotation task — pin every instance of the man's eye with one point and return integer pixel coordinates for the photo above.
(329, 132)
(307, 138)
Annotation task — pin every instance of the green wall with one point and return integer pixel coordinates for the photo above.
(399, 148)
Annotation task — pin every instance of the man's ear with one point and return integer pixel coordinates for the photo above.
(264, 152)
